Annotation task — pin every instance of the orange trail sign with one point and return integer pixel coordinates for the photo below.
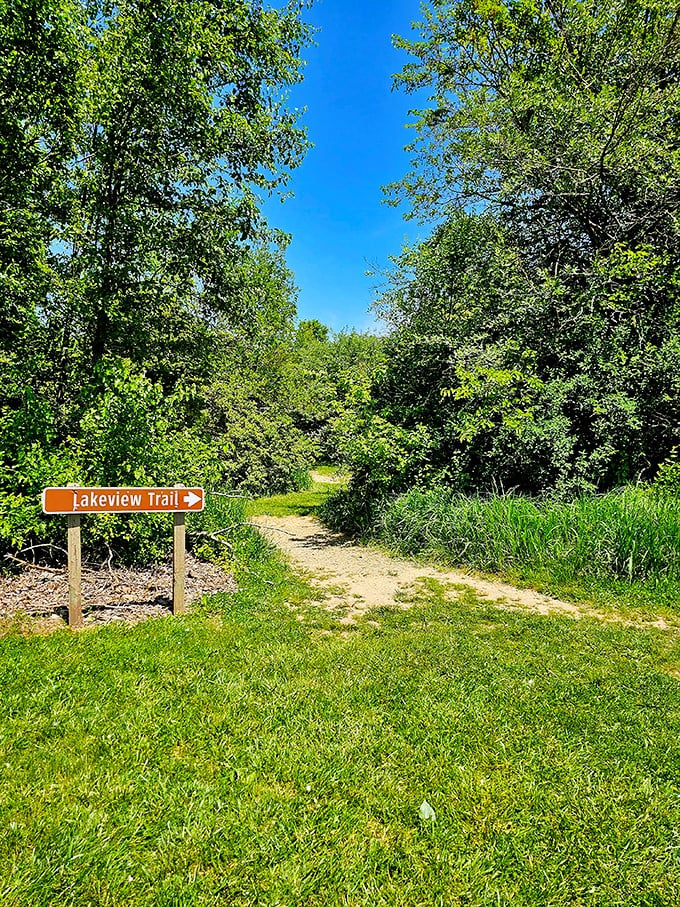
(122, 500)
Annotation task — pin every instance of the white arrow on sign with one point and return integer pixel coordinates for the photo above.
(191, 499)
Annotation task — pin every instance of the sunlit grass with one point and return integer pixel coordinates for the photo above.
(247, 758)
(259, 752)
(331, 471)
(295, 503)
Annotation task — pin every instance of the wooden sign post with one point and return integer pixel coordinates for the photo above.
(75, 598)
(178, 562)
(74, 500)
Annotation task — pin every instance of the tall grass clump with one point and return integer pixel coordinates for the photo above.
(628, 537)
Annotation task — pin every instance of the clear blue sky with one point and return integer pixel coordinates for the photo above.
(337, 220)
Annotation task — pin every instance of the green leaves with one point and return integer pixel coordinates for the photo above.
(562, 116)
(536, 327)
(135, 267)
(132, 141)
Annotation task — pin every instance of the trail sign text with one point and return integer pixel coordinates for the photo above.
(122, 500)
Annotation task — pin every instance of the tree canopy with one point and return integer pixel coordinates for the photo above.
(563, 115)
(535, 333)
(145, 132)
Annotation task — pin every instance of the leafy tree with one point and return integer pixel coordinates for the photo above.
(40, 63)
(320, 374)
(136, 268)
(185, 118)
(536, 330)
(561, 114)
(521, 380)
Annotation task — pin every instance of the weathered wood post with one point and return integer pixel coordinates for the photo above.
(75, 600)
(178, 562)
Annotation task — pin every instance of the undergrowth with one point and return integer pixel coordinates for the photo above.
(623, 546)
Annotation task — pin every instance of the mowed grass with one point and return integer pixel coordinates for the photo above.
(296, 503)
(263, 755)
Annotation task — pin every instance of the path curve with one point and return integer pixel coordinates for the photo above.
(323, 479)
(358, 577)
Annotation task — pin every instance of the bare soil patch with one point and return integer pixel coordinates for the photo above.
(324, 479)
(357, 578)
(38, 598)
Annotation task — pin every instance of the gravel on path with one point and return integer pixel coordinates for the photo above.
(357, 577)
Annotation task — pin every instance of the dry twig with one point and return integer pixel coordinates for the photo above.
(23, 563)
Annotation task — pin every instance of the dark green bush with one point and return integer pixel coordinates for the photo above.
(127, 434)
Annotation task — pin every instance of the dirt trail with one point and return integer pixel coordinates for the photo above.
(357, 578)
(323, 479)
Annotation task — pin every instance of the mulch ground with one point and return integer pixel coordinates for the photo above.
(39, 597)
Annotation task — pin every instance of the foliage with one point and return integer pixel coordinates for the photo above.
(184, 118)
(562, 115)
(668, 476)
(40, 109)
(526, 380)
(321, 373)
(535, 332)
(131, 433)
(138, 199)
(136, 269)
(126, 436)
(531, 385)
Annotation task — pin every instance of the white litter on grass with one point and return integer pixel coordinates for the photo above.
(426, 812)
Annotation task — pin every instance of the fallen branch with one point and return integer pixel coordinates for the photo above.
(250, 525)
(216, 532)
(215, 538)
(23, 563)
(44, 545)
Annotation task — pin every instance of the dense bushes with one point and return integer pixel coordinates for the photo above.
(499, 377)
(255, 417)
(128, 432)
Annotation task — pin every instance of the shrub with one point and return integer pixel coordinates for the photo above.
(668, 476)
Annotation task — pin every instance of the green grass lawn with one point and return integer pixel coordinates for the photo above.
(259, 753)
(295, 503)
